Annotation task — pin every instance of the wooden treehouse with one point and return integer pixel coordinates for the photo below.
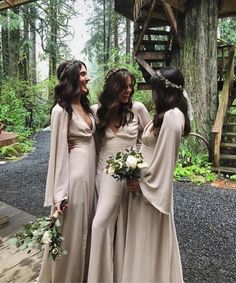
(156, 34)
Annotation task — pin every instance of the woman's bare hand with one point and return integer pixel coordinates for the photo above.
(58, 207)
(133, 185)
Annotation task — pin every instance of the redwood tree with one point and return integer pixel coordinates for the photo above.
(198, 60)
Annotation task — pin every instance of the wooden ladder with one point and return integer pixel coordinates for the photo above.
(155, 32)
(224, 129)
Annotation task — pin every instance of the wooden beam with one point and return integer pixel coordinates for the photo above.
(178, 4)
(10, 2)
(145, 65)
(222, 108)
(145, 26)
(6, 4)
(171, 17)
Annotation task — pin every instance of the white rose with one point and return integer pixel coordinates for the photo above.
(46, 239)
(110, 171)
(142, 165)
(131, 161)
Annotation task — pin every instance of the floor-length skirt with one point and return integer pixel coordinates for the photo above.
(151, 253)
(109, 226)
(77, 220)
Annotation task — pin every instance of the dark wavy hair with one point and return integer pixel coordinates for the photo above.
(166, 97)
(67, 89)
(109, 100)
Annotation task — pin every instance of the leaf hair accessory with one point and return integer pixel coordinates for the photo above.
(67, 66)
(167, 82)
(113, 71)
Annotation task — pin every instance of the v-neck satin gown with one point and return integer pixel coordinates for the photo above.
(109, 225)
(71, 175)
(152, 252)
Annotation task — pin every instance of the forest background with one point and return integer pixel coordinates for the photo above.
(27, 75)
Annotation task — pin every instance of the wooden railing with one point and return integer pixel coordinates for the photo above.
(222, 108)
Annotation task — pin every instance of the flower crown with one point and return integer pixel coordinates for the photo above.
(114, 71)
(168, 83)
(67, 66)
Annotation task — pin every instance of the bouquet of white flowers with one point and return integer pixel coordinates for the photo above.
(44, 231)
(126, 166)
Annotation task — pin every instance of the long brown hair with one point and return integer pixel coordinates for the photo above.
(67, 89)
(109, 102)
(167, 93)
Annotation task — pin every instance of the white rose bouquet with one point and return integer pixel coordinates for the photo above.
(44, 231)
(126, 166)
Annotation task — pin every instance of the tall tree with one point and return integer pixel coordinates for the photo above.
(5, 45)
(32, 61)
(52, 45)
(105, 23)
(51, 22)
(24, 50)
(14, 45)
(198, 60)
(128, 36)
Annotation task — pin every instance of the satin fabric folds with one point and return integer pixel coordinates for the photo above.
(151, 251)
(71, 175)
(110, 221)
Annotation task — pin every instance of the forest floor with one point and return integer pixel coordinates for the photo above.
(205, 215)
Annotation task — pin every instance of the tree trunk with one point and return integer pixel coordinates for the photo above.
(53, 39)
(33, 45)
(14, 45)
(128, 36)
(198, 61)
(24, 56)
(5, 48)
(116, 36)
(104, 34)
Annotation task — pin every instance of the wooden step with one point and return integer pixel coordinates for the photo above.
(230, 134)
(157, 32)
(153, 56)
(154, 42)
(228, 157)
(231, 115)
(223, 169)
(228, 145)
(154, 23)
(230, 124)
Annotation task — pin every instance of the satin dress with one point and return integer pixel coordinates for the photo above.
(109, 224)
(152, 251)
(71, 175)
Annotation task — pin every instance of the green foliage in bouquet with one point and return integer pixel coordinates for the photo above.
(44, 231)
(125, 166)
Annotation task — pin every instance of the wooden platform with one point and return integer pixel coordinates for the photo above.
(16, 266)
(7, 138)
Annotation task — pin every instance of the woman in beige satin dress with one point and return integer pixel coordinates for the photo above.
(152, 252)
(71, 175)
(120, 123)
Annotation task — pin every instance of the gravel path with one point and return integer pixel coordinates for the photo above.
(205, 216)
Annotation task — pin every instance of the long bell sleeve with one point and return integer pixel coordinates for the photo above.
(58, 168)
(157, 184)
